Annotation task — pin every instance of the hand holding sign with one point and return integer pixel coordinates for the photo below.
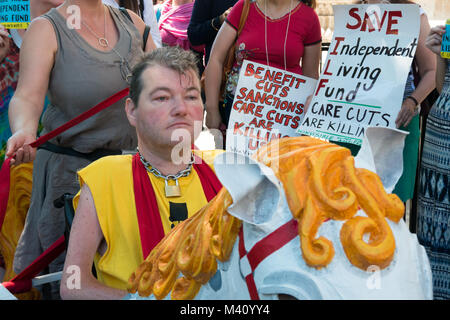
(434, 39)
(269, 103)
(365, 72)
(407, 112)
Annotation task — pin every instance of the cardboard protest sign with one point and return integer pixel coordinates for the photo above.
(268, 104)
(365, 73)
(15, 14)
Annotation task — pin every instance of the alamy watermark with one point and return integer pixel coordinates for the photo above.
(373, 282)
(73, 20)
(181, 151)
(73, 280)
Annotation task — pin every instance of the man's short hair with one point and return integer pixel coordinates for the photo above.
(174, 58)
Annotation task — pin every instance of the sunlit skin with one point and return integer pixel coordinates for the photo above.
(167, 107)
(37, 57)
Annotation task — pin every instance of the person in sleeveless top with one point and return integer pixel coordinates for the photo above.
(147, 14)
(9, 75)
(10, 43)
(110, 228)
(81, 53)
(433, 204)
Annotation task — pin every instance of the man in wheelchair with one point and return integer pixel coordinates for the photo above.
(127, 203)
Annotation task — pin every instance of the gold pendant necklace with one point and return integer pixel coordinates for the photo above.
(125, 68)
(102, 41)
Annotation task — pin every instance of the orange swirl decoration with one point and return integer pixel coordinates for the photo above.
(377, 205)
(16, 212)
(320, 183)
(191, 248)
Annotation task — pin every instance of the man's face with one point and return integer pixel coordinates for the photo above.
(168, 101)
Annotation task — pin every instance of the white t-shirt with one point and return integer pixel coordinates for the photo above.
(149, 19)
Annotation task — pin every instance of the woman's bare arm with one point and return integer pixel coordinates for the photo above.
(37, 57)
(85, 238)
(213, 73)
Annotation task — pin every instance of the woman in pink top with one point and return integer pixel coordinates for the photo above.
(280, 33)
(173, 23)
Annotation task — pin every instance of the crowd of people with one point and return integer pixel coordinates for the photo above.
(186, 63)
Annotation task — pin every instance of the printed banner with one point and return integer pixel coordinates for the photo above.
(364, 76)
(15, 14)
(445, 45)
(268, 104)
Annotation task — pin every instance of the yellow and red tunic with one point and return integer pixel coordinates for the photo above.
(110, 181)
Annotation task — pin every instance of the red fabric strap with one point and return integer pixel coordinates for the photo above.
(264, 248)
(241, 244)
(210, 183)
(5, 170)
(22, 281)
(41, 262)
(5, 176)
(149, 219)
(251, 286)
(85, 115)
(273, 242)
(18, 286)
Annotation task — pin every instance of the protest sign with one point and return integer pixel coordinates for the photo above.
(268, 104)
(365, 73)
(445, 45)
(15, 14)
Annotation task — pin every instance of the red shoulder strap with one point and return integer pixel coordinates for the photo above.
(149, 219)
(5, 176)
(22, 282)
(5, 170)
(210, 183)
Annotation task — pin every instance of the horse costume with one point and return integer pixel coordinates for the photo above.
(300, 219)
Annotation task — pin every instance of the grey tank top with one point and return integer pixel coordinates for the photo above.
(82, 77)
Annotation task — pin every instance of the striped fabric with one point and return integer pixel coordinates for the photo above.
(433, 223)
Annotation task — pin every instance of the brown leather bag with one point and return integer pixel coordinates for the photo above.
(230, 57)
